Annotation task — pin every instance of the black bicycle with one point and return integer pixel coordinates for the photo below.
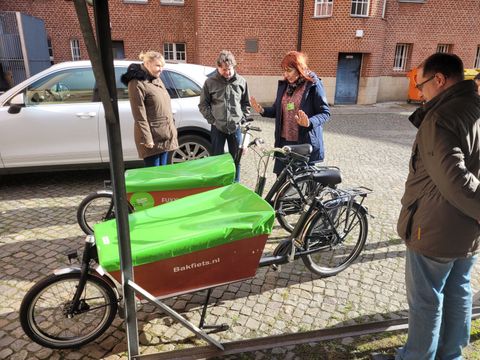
(292, 188)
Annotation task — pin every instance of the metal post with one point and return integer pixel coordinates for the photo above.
(21, 33)
(102, 64)
(117, 170)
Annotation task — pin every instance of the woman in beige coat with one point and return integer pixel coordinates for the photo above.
(155, 132)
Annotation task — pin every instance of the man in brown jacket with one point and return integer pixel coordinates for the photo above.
(440, 214)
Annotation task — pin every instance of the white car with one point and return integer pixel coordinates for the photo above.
(56, 119)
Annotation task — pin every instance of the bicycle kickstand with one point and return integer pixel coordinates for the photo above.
(213, 328)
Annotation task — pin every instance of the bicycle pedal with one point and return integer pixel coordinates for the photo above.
(276, 267)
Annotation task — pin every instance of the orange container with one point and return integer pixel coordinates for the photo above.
(413, 92)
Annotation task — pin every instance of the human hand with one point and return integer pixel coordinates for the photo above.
(256, 105)
(302, 119)
(149, 145)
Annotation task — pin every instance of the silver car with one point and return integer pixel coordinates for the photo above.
(55, 118)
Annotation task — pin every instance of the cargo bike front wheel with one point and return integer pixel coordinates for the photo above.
(48, 317)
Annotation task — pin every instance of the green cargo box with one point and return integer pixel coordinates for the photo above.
(151, 186)
(200, 241)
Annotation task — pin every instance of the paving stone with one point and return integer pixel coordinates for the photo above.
(5, 353)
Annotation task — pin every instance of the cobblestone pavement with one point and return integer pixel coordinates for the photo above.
(371, 144)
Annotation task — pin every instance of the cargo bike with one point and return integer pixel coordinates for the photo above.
(196, 243)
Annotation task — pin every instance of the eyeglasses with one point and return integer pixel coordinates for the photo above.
(420, 86)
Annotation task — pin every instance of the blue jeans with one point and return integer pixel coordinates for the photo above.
(233, 141)
(156, 160)
(440, 307)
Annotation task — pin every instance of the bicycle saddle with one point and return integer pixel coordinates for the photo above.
(328, 177)
(302, 149)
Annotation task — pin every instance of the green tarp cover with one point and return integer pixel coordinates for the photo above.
(193, 223)
(210, 171)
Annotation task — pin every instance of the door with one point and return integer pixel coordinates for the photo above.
(57, 126)
(348, 75)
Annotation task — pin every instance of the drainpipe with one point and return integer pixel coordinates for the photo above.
(301, 6)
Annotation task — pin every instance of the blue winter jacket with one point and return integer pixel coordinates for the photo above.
(314, 104)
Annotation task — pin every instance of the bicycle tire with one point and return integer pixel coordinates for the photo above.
(43, 311)
(288, 203)
(95, 208)
(335, 255)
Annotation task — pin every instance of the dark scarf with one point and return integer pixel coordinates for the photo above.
(292, 87)
(136, 71)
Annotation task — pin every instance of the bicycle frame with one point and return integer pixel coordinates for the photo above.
(85, 268)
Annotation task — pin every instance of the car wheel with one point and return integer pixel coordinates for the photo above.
(190, 147)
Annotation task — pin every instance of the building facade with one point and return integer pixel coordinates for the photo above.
(362, 49)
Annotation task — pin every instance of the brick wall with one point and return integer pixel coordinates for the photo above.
(208, 26)
(223, 24)
(141, 26)
(431, 23)
(324, 38)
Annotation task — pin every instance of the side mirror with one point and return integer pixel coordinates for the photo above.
(16, 104)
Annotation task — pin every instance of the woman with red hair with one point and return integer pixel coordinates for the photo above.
(300, 108)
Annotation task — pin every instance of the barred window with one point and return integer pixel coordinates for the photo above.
(443, 48)
(75, 48)
(360, 7)
(401, 57)
(323, 8)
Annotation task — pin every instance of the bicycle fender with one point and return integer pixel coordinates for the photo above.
(99, 273)
(105, 191)
(67, 270)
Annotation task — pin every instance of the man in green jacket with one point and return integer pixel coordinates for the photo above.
(439, 219)
(224, 101)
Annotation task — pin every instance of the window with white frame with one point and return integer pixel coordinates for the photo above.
(401, 57)
(384, 9)
(75, 48)
(175, 52)
(360, 7)
(323, 8)
(477, 58)
(171, 2)
(443, 48)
